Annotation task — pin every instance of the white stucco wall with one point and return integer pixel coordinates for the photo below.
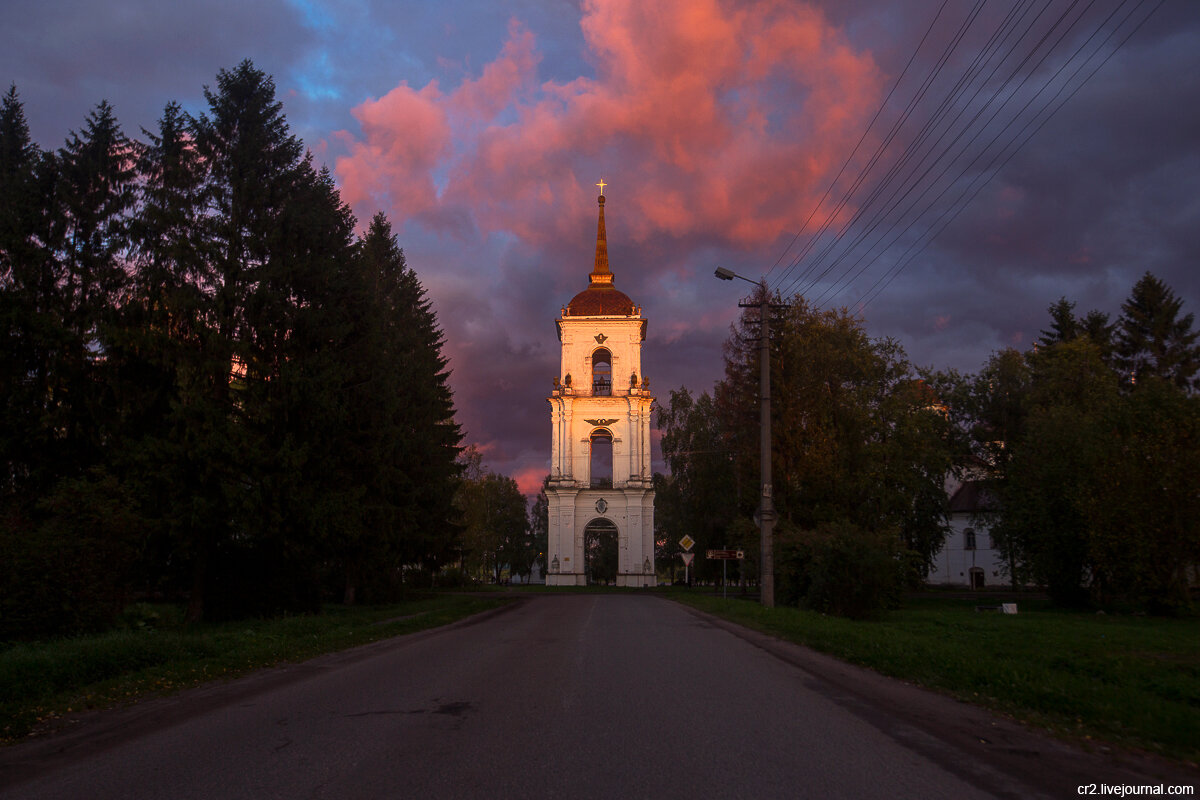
(953, 564)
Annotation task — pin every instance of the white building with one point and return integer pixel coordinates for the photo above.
(969, 557)
(601, 489)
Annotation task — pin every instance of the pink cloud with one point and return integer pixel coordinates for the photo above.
(405, 137)
(515, 69)
(529, 479)
(712, 120)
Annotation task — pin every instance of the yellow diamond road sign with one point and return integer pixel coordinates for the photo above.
(687, 542)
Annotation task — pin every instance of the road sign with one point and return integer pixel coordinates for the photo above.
(687, 558)
(687, 542)
(732, 555)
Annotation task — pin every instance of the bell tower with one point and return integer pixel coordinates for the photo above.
(601, 492)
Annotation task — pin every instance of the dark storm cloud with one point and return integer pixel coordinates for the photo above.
(65, 57)
(1102, 193)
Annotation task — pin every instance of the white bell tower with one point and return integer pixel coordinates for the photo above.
(601, 488)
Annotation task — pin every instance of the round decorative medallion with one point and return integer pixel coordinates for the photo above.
(602, 505)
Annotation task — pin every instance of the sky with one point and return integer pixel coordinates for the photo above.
(947, 169)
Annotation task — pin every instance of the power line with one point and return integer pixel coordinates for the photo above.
(907, 156)
(878, 287)
(947, 164)
(861, 139)
(882, 147)
(879, 222)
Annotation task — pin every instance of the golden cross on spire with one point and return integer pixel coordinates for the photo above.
(602, 184)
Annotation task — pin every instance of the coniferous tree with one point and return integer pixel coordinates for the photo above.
(203, 364)
(282, 243)
(1063, 325)
(94, 198)
(18, 186)
(1066, 327)
(403, 406)
(1096, 326)
(159, 351)
(1153, 339)
(66, 278)
(24, 338)
(1092, 481)
(22, 263)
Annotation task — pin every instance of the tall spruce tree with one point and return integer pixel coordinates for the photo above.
(281, 248)
(23, 373)
(167, 450)
(22, 283)
(65, 278)
(1063, 325)
(95, 197)
(1066, 327)
(1153, 339)
(406, 441)
(18, 163)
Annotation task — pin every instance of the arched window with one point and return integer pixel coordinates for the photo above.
(602, 459)
(602, 372)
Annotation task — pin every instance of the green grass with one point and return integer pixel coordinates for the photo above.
(42, 681)
(1128, 680)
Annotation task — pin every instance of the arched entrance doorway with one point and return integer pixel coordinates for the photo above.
(600, 551)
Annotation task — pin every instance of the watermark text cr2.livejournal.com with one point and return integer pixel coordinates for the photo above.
(1136, 790)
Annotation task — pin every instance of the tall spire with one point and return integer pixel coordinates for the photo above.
(601, 277)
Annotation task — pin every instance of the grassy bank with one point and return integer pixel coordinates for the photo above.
(1133, 681)
(42, 681)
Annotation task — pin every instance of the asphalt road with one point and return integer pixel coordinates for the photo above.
(562, 696)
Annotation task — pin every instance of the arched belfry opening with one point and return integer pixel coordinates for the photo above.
(602, 373)
(601, 467)
(601, 493)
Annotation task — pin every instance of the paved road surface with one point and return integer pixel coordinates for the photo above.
(562, 696)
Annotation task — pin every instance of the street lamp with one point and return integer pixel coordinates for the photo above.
(766, 511)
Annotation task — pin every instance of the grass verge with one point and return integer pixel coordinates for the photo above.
(42, 681)
(1128, 680)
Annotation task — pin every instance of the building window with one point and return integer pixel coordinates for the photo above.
(602, 373)
(969, 539)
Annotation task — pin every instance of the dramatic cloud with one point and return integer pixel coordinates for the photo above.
(480, 128)
(721, 121)
(716, 125)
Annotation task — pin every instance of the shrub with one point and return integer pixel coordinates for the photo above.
(842, 569)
